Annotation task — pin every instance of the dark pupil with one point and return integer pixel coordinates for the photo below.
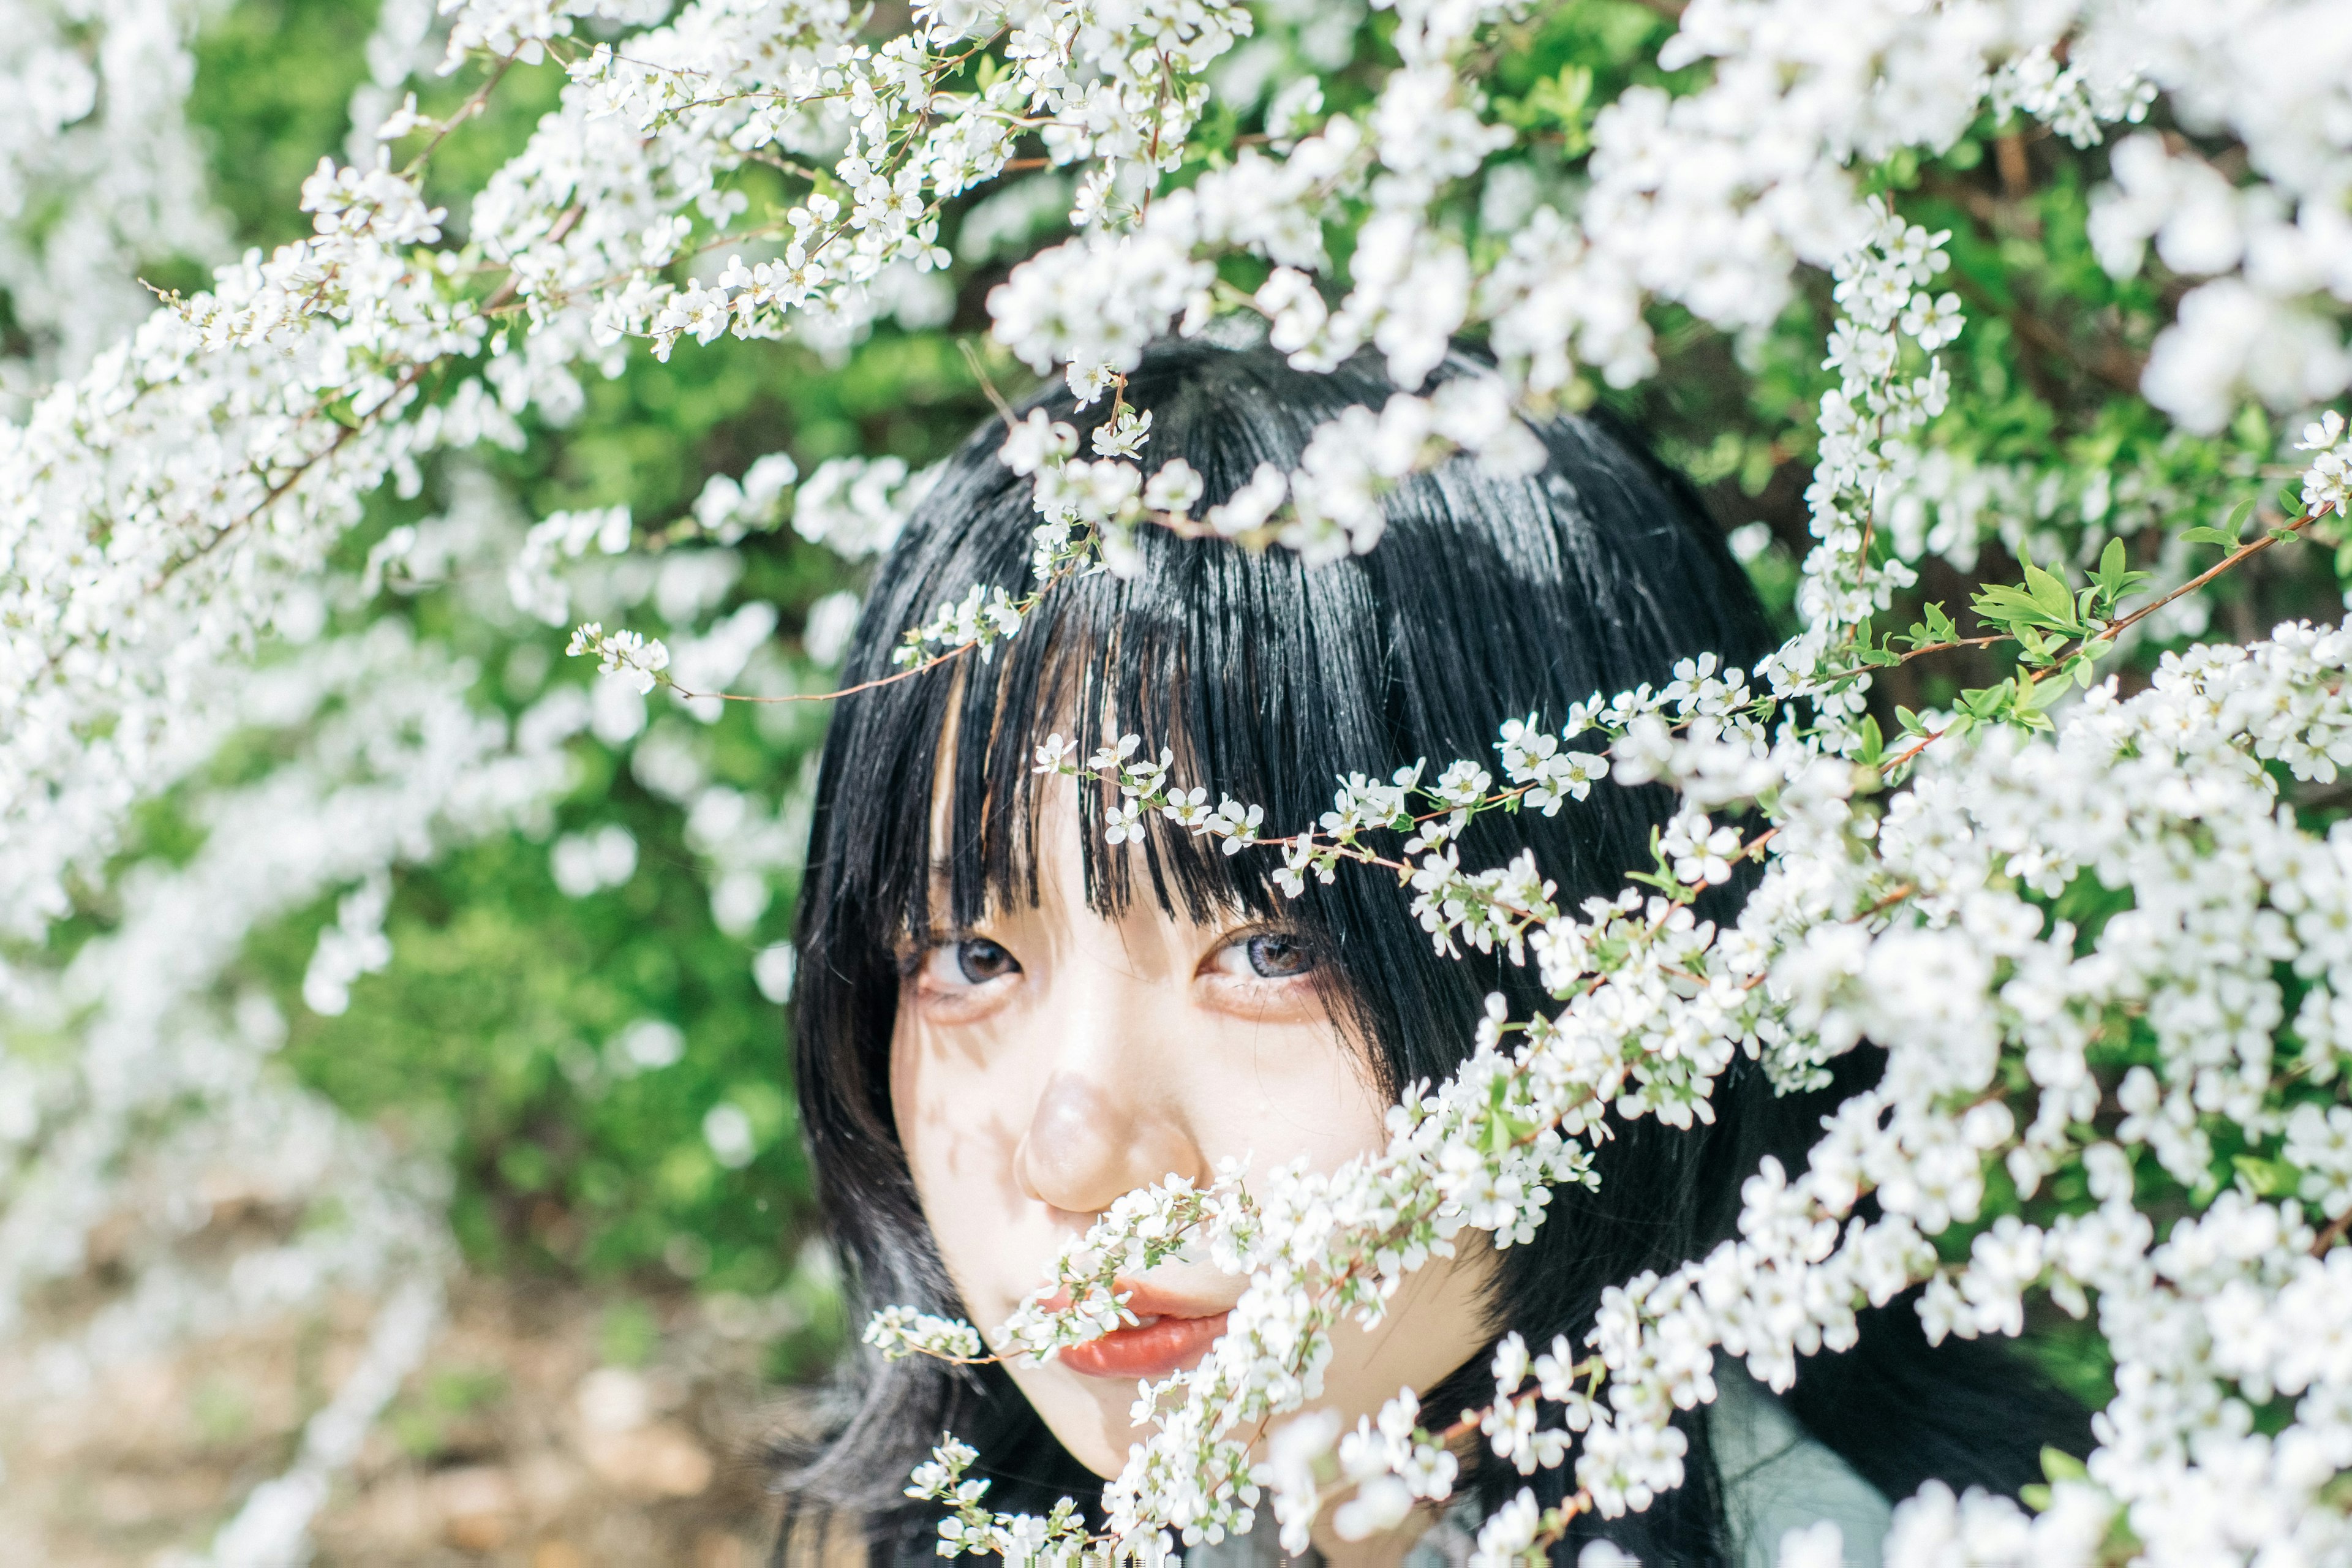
(1278, 957)
(983, 961)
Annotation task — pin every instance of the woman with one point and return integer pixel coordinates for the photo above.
(1004, 1022)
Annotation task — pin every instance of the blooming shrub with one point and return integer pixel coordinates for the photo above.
(2051, 395)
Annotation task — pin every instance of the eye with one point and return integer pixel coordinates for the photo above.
(1273, 956)
(968, 962)
(1266, 955)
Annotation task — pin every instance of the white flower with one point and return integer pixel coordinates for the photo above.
(1934, 322)
(638, 660)
(1173, 487)
(1816, 1545)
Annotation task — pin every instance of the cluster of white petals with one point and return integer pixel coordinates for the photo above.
(236, 1195)
(98, 174)
(177, 502)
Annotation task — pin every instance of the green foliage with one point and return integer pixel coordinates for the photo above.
(427, 1422)
(491, 1037)
(272, 94)
(496, 1028)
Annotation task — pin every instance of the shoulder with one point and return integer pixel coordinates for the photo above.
(1776, 1478)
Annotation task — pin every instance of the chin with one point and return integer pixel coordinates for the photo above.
(1088, 1416)
(1104, 1462)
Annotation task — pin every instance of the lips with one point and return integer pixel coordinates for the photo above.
(1169, 1333)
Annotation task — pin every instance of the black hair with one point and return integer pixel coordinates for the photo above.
(1489, 597)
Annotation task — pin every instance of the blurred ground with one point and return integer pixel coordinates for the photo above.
(549, 1428)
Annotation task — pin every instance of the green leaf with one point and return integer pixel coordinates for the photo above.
(2059, 1464)
(2203, 535)
(2237, 515)
(2268, 1178)
(1874, 744)
(1909, 721)
(2283, 534)
(2051, 593)
(1988, 702)
(2010, 608)
(2045, 694)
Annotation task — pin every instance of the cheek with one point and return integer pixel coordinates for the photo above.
(960, 1113)
(931, 1098)
(1281, 1094)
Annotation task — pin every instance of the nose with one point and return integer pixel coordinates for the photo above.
(1107, 1121)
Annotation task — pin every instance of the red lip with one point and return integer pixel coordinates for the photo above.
(1172, 1333)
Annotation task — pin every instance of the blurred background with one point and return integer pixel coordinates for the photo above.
(396, 1140)
(451, 965)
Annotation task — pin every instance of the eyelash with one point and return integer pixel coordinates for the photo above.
(917, 964)
(1247, 943)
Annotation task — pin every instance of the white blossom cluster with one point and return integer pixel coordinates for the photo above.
(1920, 922)
(165, 1128)
(619, 182)
(1887, 298)
(98, 174)
(159, 514)
(896, 1332)
(1954, 879)
(2270, 253)
(1971, 975)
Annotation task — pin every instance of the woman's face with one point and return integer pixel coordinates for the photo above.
(1047, 1061)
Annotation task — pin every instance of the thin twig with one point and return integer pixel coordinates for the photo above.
(2256, 548)
(987, 384)
(464, 111)
(907, 674)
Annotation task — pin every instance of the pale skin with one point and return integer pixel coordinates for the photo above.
(1048, 1059)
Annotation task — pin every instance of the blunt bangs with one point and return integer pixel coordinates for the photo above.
(1489, 597)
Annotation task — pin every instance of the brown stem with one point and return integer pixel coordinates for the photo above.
(2108, 634)
(1899, 759)
(2243, 552)
(408, 380)
(987, 383)
(1921, 652)
(465, 111)
(2008, 157)
(1890, 900)
(907, 674)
